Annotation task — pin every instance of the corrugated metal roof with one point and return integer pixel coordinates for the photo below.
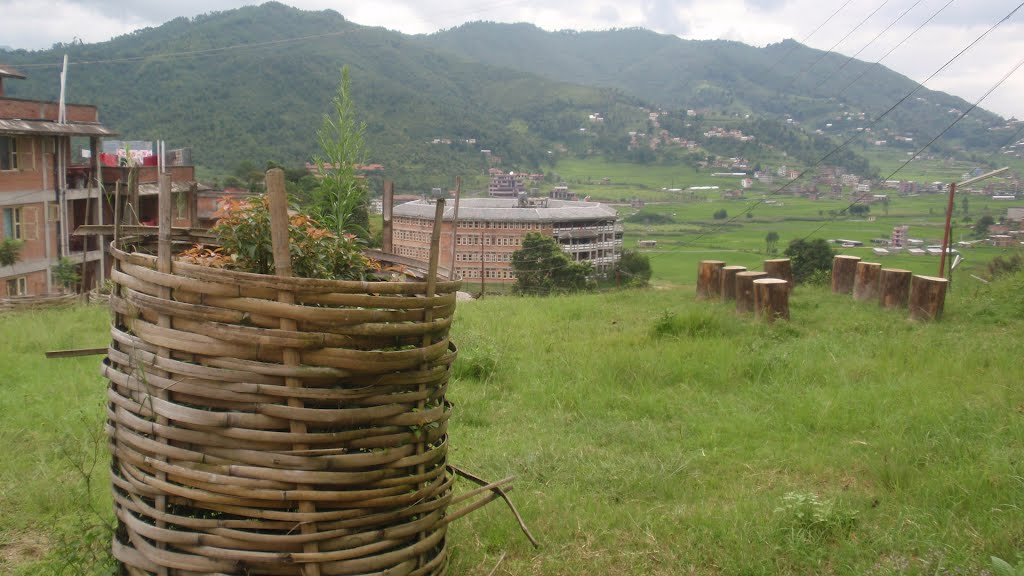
(508, 209)
(9, 72)
(53, 128)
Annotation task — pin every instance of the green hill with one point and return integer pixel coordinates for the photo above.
(252, 84)
(265, 102)
(783, 80)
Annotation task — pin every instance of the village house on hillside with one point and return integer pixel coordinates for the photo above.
(490, 230)
(53, 169)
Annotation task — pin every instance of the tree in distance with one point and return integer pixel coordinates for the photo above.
(721, 214)
(860, 210)
(771, 240)
(982, 224)
(542, 268)
(809, 258)
(634, 269)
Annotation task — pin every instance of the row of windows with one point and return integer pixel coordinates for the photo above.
(412, 236)
(474, 240)
(501, 225)
(418, 253)
(488, 257)
(493, 274)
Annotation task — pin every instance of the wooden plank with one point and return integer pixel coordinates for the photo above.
(76, 352)
(108, 230)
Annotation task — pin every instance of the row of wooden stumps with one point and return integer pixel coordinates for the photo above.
(892, 287)
(766, 294)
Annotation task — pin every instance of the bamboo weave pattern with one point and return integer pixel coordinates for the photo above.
(228, 459)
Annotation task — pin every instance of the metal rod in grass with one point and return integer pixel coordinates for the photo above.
(283, 268)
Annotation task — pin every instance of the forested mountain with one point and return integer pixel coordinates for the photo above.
(266, 102)
(252, 84)
(786, 80)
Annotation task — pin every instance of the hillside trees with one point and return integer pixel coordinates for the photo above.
(542, 268)
(633, 269)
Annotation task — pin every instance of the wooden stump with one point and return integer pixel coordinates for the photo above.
(844, 271)
(865, 285)
(708, 278)
(893, 287)
(727, 281)
(745, 290)
(780, 268)
(771, 299)
(927, 297)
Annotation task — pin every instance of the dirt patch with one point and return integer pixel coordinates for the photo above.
(21, 548)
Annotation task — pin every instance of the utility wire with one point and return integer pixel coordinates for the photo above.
(808, 37)
(875, 121)
(960, 117)
(841, 40)
(865, 47)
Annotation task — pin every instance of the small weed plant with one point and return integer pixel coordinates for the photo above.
(806, 516)
(1001, 567)
(694, 324)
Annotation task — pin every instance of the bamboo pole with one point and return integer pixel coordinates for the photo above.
(283, 267)
(428, 316)
(455, 225)
(164, 266)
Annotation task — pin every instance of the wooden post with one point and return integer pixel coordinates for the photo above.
(745, 290)
(771, 299)
(844, 271)
(283, 267)
(428, 317)
(893, 287)
(727, 281)
(387, 232)
(164, 266)
(193, 205)
(133, 195)
(865, 284)
(708, 278)
(455, 225)
(927, 297)
(780, 268)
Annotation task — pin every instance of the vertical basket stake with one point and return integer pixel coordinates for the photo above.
(428, 317)
(455, 225)
(163, 265)
(283, 268)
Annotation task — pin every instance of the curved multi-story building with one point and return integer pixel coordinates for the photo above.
(490, 230)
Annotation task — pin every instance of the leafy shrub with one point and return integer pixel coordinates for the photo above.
(10, 251)
(634, 269)
(696, 324)
(807, 516)
(1000, 266)
(721, 214)
(65, 273)
(650, 218)
(244, 234)
(809, 257)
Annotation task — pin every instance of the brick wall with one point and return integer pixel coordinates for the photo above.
(38, 110)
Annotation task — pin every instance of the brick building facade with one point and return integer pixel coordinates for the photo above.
(490, 230)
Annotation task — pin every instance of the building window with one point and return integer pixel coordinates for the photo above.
(13, 224)
(17, 286)
(8, 153)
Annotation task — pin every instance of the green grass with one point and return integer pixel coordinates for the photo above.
(649, 433)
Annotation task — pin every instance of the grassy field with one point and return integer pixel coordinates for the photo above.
(649, 433)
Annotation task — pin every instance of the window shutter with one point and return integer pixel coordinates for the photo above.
(30, 223)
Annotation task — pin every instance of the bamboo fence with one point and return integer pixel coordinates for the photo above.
(275, 425)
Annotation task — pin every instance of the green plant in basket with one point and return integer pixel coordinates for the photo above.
(244, 234)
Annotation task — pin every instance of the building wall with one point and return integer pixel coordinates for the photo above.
(485, 248)
(15, 108)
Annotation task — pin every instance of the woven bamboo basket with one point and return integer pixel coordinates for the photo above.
(270, 425)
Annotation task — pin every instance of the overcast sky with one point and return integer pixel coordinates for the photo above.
(35, 24)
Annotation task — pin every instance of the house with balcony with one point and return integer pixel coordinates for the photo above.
(55, 177)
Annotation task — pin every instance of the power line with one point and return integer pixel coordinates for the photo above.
(808, 37)
(865, 47)
(876, 120)
(841, 40)
(933, 140)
